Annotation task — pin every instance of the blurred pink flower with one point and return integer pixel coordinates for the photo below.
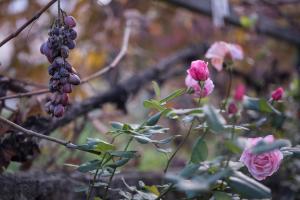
(232, 108)
(239, 92)
(219, 50)
(264, 164)
(277, 94)
(207, 89)
(199, 70)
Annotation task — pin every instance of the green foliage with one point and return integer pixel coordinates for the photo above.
(215, 121)
(262, 147)
(259, 105)
(200, 151)
(248, 187)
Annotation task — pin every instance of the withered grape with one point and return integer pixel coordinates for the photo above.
(63, 76)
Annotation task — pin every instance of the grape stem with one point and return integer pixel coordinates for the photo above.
(35, 17)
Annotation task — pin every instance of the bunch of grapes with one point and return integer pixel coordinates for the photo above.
(63, 76)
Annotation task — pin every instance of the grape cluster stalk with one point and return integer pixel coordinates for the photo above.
(63, 76)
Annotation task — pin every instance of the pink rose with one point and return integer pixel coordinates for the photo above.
(264, 164)
(277, 94)
(207, 89)
(219, 50)
(199, 70)
(239, 92)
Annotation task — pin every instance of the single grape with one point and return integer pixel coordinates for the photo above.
(67, 88)
(64, 99)
(63, 72)
(70, 21)
(71, 44)
(64, 51)
(51, 70)
(59, 110)
(74, 79)
(72, 35)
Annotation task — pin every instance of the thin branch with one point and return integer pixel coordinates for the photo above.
(35, 17)
(118, 58)
(38, 135)
(113, 64)
(26, 94)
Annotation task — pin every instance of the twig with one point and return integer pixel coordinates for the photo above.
(113, 64)
(38, 135)
(19, 30)
(118, 58)
(26, 94)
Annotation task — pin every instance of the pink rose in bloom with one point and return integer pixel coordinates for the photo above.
(264, 164)
(207, 89)
(277, 94)
(219, 50)
(199, 70)
(232, 108)
(239, 92)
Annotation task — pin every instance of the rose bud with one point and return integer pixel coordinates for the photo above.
(199, 70)
(239, 92)
(232, 108)
(277, 94)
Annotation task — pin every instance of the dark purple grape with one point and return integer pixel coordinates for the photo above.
(64, 51)
(70, 21)
(71, 44)
(68, 66)
(51, 70)
(56, 76)
(64, 99)
(59, 110)
(63, 80)
(67, 88)
(74, 79)
(63, 72)
(58, 62)
(72, 34)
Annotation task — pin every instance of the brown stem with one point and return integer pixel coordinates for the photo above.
(38, 135)
(19, 30)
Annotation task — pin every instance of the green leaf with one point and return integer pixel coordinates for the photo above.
(189, 170)
(118, 163)
(154, 105)
(153, 189)
(172, 96)
(153, 119)
(123, 154)
(247, 22)
(265, 147)
(215, 120)
(259, 105)
(221, 196)
(231, 146)
(156, 88)
(117, 125)
(89, 166)
(96, 145)
(199, 151)
(247, 187)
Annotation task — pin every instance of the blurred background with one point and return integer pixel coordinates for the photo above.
(268, 31)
